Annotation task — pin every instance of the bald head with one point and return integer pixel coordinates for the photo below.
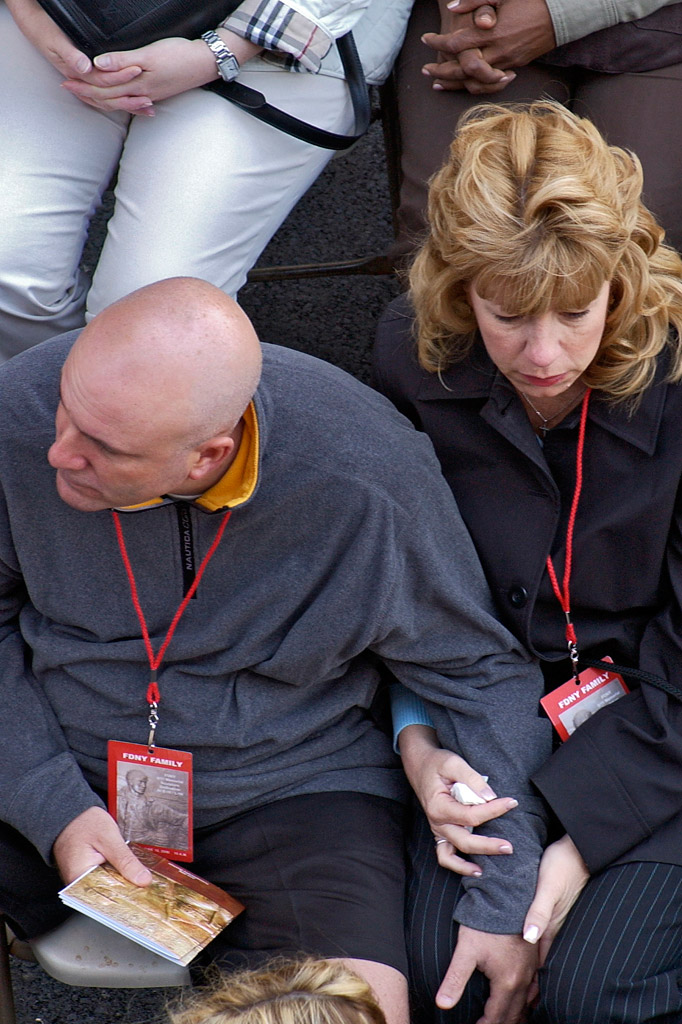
(161, 379)
(180, 347)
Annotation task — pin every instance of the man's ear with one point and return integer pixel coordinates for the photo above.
(212, 455)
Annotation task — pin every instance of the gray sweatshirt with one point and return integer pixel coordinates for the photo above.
(345, 551)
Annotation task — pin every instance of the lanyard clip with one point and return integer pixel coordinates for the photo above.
(153, 698)
(573, 655)
(572, 642)
(153, 722)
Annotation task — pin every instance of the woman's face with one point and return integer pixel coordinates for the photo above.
(541, 355)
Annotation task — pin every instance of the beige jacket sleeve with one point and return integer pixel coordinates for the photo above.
(573, 19)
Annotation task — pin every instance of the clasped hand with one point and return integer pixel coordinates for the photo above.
(127, 80)
(133, 80)
(478, 53)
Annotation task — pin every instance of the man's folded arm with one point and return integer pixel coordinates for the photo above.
(443, 641)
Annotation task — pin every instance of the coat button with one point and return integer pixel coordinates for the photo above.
(518, 596)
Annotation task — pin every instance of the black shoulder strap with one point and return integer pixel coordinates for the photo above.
(255, 103)
(636, 673)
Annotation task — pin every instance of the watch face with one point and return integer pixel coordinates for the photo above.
(228, 68)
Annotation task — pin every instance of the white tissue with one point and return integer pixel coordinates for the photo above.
(465, 795)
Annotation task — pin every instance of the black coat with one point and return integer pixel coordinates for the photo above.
(616, 784)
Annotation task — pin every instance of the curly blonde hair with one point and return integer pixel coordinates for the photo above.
(538, 211)
(306, 991)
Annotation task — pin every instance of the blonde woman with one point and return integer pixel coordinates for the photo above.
(540, 350)
(285, 992)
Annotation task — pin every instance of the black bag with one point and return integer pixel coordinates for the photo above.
(96, 26)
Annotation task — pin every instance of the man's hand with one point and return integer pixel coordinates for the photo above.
(522, 32)
(469, 54)
(561, 878)
(431, 772)
(92, 838)
(167, 67)
(484, 17)
(485, 11)
(506, 964)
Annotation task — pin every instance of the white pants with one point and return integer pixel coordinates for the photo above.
(201, 187)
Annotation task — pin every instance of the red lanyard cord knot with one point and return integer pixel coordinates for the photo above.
(563, 596)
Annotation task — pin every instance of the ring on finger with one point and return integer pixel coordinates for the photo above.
(439, 839)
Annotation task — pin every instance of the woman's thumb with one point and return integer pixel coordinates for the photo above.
(78, 62)
(538, 917)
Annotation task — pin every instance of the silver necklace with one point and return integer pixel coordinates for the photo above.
(543, 428)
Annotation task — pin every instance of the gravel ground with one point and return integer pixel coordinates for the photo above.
(346, 214)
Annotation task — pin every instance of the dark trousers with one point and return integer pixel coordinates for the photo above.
(641, 112)
(322, 874)
(617, 959)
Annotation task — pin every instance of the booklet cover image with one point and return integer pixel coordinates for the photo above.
(176, 915)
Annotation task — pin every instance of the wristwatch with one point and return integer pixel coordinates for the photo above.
(228, 65)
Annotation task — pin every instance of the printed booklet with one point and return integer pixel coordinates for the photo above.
(176, 915)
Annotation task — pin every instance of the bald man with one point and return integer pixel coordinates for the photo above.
(163, 446)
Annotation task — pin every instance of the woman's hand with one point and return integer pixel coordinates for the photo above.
(129, 80)
(561, 879)
(432, 772)
(57, 48)
(166, 68)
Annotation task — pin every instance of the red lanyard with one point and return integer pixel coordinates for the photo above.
(564, 597)
(153, 694)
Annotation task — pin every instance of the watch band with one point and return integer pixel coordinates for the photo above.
(228, 65)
